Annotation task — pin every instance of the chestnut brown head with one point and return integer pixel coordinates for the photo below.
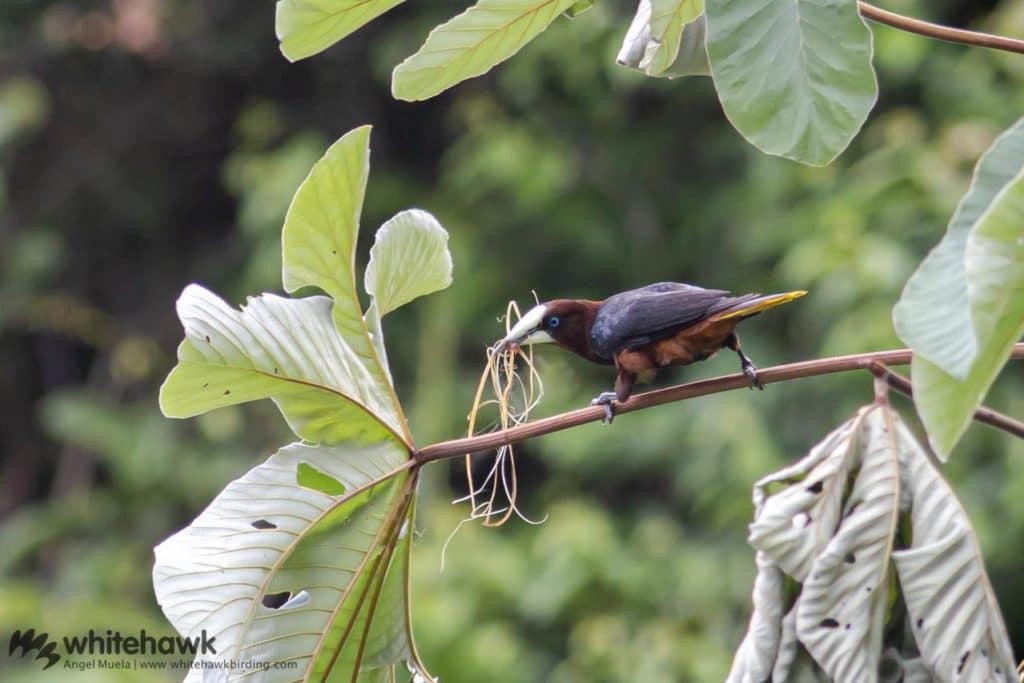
(565, 322)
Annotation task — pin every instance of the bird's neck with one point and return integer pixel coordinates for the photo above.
(577, 337)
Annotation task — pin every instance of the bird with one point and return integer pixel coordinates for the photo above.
(643, 330)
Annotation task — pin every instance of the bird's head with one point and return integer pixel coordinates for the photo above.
(565, 322)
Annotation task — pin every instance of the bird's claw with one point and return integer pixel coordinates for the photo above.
(605, 399)
(750, 370)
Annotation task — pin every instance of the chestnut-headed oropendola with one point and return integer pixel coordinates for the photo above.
(642, 330)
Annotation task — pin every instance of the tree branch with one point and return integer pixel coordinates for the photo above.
(952, 35)
(982, 414)
(680, 392)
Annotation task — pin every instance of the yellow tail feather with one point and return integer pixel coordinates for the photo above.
(761, 304)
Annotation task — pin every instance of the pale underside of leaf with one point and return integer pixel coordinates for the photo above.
(952, 609)
(756, 656)
(793, 526)
(266, 535)
(306, 27)
(994, 268)
(952, 628)
(933, 316)
(789, 648)
(285, 349)
(841, 613)
(472, 43)
(319, 248)
(795, 78)
(637, 38)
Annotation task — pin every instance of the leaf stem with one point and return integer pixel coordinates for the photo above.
(952, 35)
(982, 414)
(680, 392)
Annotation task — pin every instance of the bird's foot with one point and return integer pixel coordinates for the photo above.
(605, 399)
(750, 370)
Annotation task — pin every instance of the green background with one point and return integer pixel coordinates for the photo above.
(146, 144)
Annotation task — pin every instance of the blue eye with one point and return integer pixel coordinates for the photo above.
(553, 321)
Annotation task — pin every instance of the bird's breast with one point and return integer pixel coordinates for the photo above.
(690, 345)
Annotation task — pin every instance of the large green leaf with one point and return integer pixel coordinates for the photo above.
(285, 349)
(305, 558)
(932, 316)
(306, 27)
(994, 270)
(472, 43)
(319, 247)
(288, 566)
(794, 77)
(409, 259)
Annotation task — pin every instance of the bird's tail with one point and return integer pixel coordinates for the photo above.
(752, 304)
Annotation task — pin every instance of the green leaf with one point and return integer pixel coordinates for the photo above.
(668, 19)
(933, 316)
(319, 247)
(994, 270)
(285, 349)
(666, 39)
(795, 78)
(472, 43)
(276, 571)
(306, 27)
(409, 259)
(578, 8)
(312, 478)
(692, 56)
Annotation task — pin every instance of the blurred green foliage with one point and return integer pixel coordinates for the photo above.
(145, 144)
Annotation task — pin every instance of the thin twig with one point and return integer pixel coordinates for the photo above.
(982, 414)
(952, 35)
(680, 392)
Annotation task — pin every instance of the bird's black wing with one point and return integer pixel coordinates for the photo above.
(644, 315)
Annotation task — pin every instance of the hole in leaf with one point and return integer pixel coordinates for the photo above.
(801, 520)
(850, 558)
(963, 660)
(276, 600)
(297, 600)
(920, 623)
(816, 487)
(207, 339)
(310, 477)
(829, 623)
(264, 524)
